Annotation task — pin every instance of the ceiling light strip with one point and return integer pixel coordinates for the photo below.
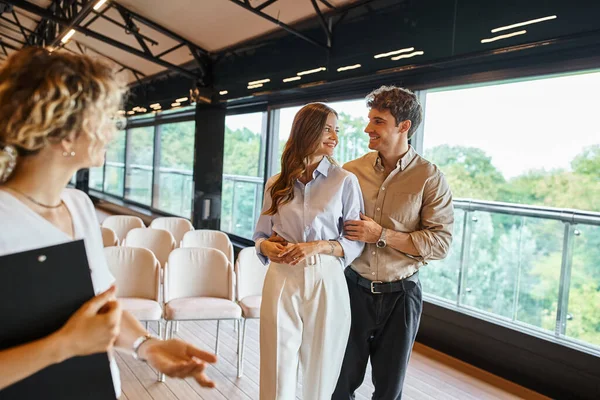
(416, 53)
(349, 67)
(99, 4)
(508, 35)
(391, 53)
(531, 21)
(68, 36)
(311, 71)
(259, 82)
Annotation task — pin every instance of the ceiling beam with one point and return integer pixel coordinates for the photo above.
(49, 16)
(8, 45)
(123, 66)
(133, 28)
(16, 17)
(328, 4)
(326, 25)
(74, 23)
(267, 3)
(280, 24)
(102, 15)
(161, 29)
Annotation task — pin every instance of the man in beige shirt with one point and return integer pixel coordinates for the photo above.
(408, 223)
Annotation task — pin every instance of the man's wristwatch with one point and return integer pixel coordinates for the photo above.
(381, 243)
(138, 343)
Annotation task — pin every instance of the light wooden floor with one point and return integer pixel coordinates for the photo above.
(431, 374)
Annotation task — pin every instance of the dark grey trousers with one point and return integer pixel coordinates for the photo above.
(384, 327)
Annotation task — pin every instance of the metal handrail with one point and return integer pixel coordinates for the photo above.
(558, 214)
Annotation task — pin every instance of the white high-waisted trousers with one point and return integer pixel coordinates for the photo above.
(304, 318)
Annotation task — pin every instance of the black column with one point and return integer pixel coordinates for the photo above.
(208, 166)
(82, 180)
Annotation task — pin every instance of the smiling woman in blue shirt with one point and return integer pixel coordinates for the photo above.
(305, 312)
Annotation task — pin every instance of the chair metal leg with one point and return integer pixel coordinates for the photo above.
(236, 325)
(146, 325)
(217, 341)
(241, 340)
(161, 376)
(171, 329)
(176, 327)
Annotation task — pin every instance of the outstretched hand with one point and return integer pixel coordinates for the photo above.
(366, 230)
(178, 359)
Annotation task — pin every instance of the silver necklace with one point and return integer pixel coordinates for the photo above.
(34, 201)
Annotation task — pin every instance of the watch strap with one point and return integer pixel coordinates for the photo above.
(138, 343)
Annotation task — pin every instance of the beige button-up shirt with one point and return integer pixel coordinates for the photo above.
(415, 199)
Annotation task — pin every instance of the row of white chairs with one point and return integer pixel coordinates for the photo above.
(198, 286)
(131, 231)
(161, 296)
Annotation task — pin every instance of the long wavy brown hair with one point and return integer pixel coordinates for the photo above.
(305, 139)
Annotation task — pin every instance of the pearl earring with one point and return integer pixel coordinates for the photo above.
(65, 154)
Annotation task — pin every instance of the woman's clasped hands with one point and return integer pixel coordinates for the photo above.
(278, 250)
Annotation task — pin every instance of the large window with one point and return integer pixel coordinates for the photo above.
(115, 165)
(162, 181)
(175, 173)
(532, 144)
(96, 178)
(140, 156)
(243, 173)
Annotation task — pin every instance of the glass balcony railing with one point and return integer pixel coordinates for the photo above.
(175, 191)
(531, 268)
(175, 187)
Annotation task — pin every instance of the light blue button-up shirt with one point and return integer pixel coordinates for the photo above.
(317, 212)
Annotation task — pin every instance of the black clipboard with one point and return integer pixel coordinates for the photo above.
(39, 290)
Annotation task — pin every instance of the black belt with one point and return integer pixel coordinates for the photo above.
(378, 287)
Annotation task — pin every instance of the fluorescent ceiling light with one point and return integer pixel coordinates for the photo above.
(99, 4)
(416, 53)
(293, 78)
(349, 67)
(508, 35)
(391, 53)
(68, 36)
(258, 82)
(130, 112)
(311, 71)
(182, 99)
(255, 86)
(223, 92)
(122, 112)
(155, 105)
(531, 21)
(175, 104)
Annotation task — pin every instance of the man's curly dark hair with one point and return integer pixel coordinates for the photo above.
(402, 104)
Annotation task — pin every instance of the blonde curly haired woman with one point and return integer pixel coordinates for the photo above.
(56, 116)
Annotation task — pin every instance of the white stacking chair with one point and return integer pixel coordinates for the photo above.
(198, 285)
(136, 272)
(177, 226)
(159, 241)
(211, 239)
(250, 273)
(109, 237)
(122, 224)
